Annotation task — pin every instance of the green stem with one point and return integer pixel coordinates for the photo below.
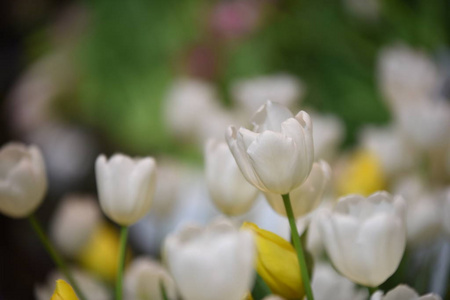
(298, 247)
(56, 257)
(371, 290)
(122, 255)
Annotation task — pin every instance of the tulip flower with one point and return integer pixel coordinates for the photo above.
(100, 253)
(90, 285)
(306, 197)
(277, 263)
(278, 155)
(215, 262)
(251, 93)
(361, 174)
(125, 186)
(74, 222)
(365, 237)
(229, 190)
(63, 291)
(328, 284)
(23, 180)
(143, 278)
(403, 292)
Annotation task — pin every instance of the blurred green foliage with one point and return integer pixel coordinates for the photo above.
(133, 49)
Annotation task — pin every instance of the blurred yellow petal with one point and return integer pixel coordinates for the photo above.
(277, 263)
(63, 291)
(362, 175)
(101, 252)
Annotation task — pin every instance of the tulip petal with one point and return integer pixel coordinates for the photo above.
(270, 116)
(236, 141)
(274, 159)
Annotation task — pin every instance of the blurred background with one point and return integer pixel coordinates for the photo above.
(79, 78)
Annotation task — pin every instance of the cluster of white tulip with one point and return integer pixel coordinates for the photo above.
(364, 237)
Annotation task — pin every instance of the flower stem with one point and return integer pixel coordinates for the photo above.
(122, 255)
(56, 257)
(371, 290)
(298, 247)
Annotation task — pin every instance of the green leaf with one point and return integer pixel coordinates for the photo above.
(260, 289)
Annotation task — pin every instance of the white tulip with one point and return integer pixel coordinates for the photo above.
(434, 120)
(365, 237)
(142, 280)
(307, 196)
(327, 284)
(73, 223)
(215, 262)
(23, 181)
(185, 99)
(278, 155)
(229, 190)
(390, 147)
(406, 76)
(403, 292)
(125, 187)
(328, 134)
(252, 93)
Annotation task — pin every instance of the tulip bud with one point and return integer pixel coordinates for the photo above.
(63, 291)
(89, 285)
(365, 237)
(403, 292)
(229, 190)
(306, 197)
(125, 187)
(278, 155)
(277, 263)
(143, 278)
(23, 181)
(215, 262)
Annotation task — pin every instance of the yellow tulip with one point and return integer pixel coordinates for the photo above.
(362, 175)
(63, 291)
(101, 253)
(277, 263)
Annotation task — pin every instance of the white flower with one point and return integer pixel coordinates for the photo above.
(125, 187)
(307, 196)
(390, 147)
(142, 280)
(328, 134)
(403, 292)
(327, 284)
(426, 124)
(23, 181)
(365, 237)
(278, 155)
(186, 98)
(215, 262)
(406, 76)
(74, 222)
(252, 93)
(229, 190)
